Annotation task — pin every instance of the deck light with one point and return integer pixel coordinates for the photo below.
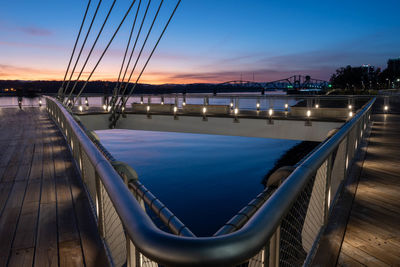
(204, 110)
(86, 102)
(123, 108)
(162, 102)
(108, 108)
(308, 113)
(104, 107)
(183, 103)
(350, 114)
(40, 102)
(386, 108)
(236, 111)
(316, 105)
(80, 108)
(231, 104)
(148, 108)
(270, 112)
(258, 106)
(286, 106)
(350, 106)
(175, 109)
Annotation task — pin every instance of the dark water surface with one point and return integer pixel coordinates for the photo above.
(203, 179)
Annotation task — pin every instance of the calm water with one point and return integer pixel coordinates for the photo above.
(203, 179)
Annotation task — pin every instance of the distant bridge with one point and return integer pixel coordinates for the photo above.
(292, 83)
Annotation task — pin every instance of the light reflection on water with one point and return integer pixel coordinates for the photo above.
(203, 179)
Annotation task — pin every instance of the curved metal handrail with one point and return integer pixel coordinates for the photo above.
(224, 250)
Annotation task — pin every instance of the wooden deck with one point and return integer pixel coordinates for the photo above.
(45, 217)
(372, 236)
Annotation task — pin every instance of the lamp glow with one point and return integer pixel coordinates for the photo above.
(316, 106)
(308, 113)
(270, 112)
(258, 105)
(350, 106)
(236, 111)
(104, 107)
(231, 104)
(80, 108)
(204, 110)
(183, 103)
(386, 108)
(108, 108)
(350, 114)
(175, 109)
(148, 108)
(286, 106)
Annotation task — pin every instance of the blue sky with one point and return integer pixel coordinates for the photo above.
(207, 40)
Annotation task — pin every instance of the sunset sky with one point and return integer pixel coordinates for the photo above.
(207, 41)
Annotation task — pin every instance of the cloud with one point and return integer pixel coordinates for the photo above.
(36, 31)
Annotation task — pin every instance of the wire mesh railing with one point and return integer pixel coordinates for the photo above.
(281, 227)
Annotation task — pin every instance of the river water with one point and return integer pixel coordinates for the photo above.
(203, 179)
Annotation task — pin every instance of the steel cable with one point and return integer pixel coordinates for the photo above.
(105, 50)
(83, 45)
(151, 54)
(61, 90)
(92, 48)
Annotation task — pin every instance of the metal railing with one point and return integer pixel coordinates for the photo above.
(282, 231)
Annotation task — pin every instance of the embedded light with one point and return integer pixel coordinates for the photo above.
(183, 103)
(308, 113)
(204, 110)
(86, 102)
(141, 102)
(162, 102)
(350, 114)
(69, 101)
(316, 105)
(123, 108)
(386, 108)
(80, 108)
(148, 108)
(350, 106)
(231, 104)
(286, 106)
(104, 107)
(270, 112)
(108, 108)
(236, 111)
(175, 109)
(258, 105)
(40, 102)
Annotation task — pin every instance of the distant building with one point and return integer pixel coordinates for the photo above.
(393, 66)
(367, 75)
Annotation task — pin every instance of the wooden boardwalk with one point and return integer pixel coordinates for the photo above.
(372, 235)
(45, 217)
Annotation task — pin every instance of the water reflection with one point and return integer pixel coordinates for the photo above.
(203, 179)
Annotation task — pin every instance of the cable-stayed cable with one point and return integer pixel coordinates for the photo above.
(83, 45)
(128, 44)
(73, 50)
(148, 59)
(105, 50)
(133, 50)
(92, 48)
(141, 50)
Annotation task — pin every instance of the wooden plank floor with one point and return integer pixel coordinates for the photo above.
(372, 235)
(45, 219)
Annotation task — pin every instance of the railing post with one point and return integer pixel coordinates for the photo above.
(273, 260)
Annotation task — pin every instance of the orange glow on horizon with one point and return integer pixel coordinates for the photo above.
(146, 78)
